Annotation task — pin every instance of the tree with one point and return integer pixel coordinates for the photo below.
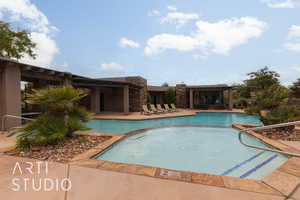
(170, 96)
(295, 89)
(165, 84)
(262, 79)
(270, 97)
(15, 44)
(256, 83)
(62, 119)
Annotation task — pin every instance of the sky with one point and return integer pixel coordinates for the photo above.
(173, 41)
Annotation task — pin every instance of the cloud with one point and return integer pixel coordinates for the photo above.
(112, 67)
(179, 18)
(161, 42)
(153, 13)
(124, 42)
(219, 37)
(293, 41)
(282, 3)
(28, 16)
(172, 8)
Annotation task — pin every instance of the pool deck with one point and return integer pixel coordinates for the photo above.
(139, 116)
(94, 184)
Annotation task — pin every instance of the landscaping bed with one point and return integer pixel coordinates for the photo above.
(276, 134)
(63, 152)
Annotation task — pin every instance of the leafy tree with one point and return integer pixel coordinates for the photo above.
(270, 97)
(295, 89)
(62, 119)
(262, 79)
(170, 96)
(165, 84)
(15, 44)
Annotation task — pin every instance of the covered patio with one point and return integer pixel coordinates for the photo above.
(16, 79)
(204, 96)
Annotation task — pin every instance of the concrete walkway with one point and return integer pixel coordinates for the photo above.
(95, 184)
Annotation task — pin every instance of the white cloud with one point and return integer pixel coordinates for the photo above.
(46, 49)
(112, 67)
(124, 42)
(282, 3)
(293, 42)
(297, 69)
(153, 13)
(172, 8)
(161, 42)
(179, 18)
(26, 14)
(219, 37)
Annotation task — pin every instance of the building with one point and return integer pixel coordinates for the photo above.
(120, 94)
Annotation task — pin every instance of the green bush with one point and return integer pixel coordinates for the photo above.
(253, 110)
(149, 99)
(170, 96)
(61, 120)
(282, 114)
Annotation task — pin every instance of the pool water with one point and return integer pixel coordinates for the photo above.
(205, 119)
(197, 149)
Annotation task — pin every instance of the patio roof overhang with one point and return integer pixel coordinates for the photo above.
(218, 87)
(30, 73)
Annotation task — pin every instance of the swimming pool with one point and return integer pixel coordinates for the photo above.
(200, 119)
(196, 149)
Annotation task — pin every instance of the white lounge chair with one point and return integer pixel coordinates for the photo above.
(152, 107)
(146, 111)
(160, 108)
(173, 107)
(168, 108)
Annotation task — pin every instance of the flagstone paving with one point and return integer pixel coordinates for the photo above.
(88, 183)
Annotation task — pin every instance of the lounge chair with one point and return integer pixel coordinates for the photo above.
(168, 108)
(160, 108)
(173, 107)
(152, 107)
(146, 111)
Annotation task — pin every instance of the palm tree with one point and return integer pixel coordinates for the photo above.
(62, 117)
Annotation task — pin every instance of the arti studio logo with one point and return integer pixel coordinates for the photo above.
(38, 179)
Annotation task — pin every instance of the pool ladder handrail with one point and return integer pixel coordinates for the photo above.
(4, 117)
(244, 131)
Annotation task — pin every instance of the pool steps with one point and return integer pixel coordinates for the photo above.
(256, 166)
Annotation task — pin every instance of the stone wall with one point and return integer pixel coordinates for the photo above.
(137, 96)
(181, 96)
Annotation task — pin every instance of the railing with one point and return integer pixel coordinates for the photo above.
(4, 117)
(264, 128)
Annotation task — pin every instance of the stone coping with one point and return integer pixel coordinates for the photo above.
(181, 113)
(283, 181)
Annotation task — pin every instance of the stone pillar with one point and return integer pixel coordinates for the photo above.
(126, 99)
(10, 95)
(95, 100)
(181, 96)
(191, 99)
(230, 99)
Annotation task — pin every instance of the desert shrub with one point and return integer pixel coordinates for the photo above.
(170, 96)
(282, 114)
(253, 110)
(149, 99)
(62, 119)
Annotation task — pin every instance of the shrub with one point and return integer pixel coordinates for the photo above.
(61, 120)
(170, 96)
(149, 99)
(282, 114)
